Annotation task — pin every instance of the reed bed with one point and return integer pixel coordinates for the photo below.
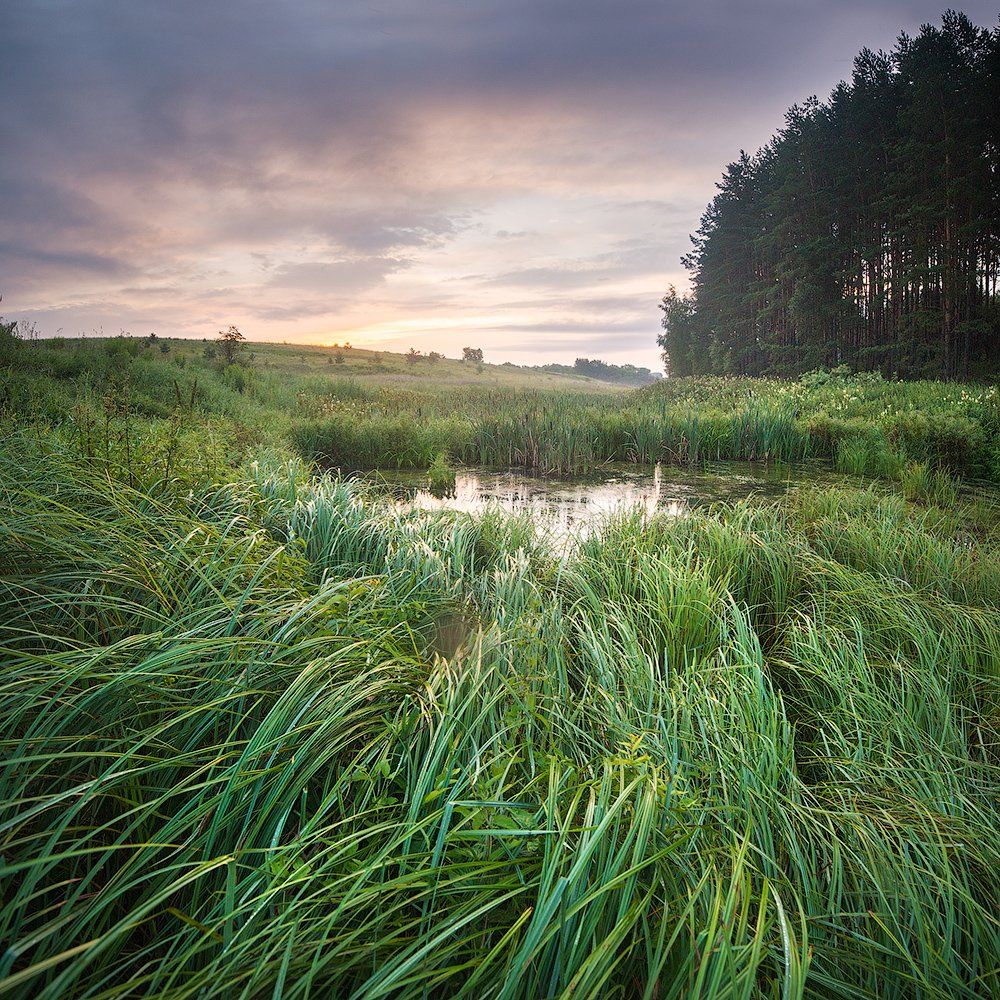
(863, 424)
(866, 427)
(268, 736)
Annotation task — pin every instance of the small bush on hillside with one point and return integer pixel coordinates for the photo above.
(231, 344)
(235, 377)
(121, 350)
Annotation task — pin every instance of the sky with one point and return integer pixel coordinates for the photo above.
(516, 175)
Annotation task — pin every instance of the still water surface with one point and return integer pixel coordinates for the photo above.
(571, 503)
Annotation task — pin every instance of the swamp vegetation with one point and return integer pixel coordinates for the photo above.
(266, 734)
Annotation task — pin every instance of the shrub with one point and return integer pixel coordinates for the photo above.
(441, 476)
(868, 456)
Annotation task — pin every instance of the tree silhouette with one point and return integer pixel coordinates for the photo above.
(867, 232)
(230, 344)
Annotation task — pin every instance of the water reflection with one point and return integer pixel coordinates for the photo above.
(566, 503)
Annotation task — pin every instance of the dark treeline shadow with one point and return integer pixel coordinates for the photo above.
(866, 233)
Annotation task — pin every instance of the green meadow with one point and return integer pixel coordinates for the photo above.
(266, 734)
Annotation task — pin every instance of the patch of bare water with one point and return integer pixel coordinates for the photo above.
(564, 503)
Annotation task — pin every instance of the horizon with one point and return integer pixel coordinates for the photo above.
(510, 177)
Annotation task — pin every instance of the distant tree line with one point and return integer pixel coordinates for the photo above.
(866, 233)
(603, 371)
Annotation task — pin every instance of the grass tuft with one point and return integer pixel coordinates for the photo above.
(275, 737)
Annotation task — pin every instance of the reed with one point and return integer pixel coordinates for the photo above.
(441, 476)
(863, 424)
(268, 735)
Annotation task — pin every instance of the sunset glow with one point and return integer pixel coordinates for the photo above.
(525, 175)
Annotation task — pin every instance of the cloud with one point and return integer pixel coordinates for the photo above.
(48, 260)
(312, 169)
(335, 276)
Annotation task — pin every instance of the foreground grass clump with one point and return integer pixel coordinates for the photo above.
(273, 737)
(922, 483)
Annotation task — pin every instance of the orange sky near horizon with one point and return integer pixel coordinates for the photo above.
(516, 175)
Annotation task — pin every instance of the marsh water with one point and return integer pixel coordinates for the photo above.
(564, 503)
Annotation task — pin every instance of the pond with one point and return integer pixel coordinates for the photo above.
(563, 503)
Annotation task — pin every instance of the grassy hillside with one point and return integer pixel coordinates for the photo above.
(385, 368)
(355, 415)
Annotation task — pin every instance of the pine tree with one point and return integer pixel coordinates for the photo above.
(867, 232)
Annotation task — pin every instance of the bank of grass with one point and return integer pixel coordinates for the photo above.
(864, 425)
(289, 397)
(267, 735)
(871, 429)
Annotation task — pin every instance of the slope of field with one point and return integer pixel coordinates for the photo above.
(374, 412)
(387, 368)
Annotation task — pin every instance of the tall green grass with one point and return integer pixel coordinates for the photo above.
(863, 424)
(273, 737)
(867, 427)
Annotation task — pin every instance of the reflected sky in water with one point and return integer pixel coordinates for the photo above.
(571, 503)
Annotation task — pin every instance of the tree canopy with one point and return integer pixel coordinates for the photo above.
(866, 233)
(603, 371)
(231, 344)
